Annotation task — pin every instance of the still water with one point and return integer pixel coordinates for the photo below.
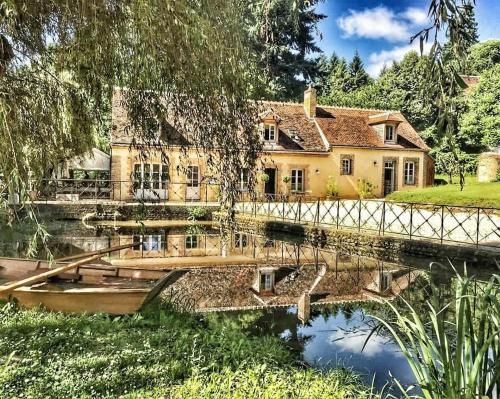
(319, 301)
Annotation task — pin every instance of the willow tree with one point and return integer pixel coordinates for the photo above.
(454, 18)
(184, 63)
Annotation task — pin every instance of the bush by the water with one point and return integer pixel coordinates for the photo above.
(158, 353)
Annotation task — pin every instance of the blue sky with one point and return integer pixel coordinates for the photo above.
(381, 30)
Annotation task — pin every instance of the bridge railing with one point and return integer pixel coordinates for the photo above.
(442, 223)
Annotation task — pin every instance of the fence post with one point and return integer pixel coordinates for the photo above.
(442, 223)
(268, 207)
(359, 216)
(317, 213)
(411, 219)
(383, 219)
(338, 212)
(300, 208)
(477, 227)
(283, 208)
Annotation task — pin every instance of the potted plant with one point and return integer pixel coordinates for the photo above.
(264, 177)
(332, 190)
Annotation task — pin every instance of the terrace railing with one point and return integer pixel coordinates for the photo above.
(442, 223)
(123, 191)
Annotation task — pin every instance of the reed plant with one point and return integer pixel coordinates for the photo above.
(454, 349)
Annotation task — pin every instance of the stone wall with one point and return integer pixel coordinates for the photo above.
(78, 211)
(388, 248)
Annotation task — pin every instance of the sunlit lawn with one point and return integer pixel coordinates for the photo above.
(474, 194)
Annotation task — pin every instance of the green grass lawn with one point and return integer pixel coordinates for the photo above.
(474, 194)
(158, 353)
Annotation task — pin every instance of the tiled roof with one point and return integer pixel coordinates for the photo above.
(340, 126)
(333, 126)
(296, 131)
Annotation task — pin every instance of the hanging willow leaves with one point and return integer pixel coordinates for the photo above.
(183, 62)
(454, 18)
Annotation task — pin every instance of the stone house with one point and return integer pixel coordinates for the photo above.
(305, 148)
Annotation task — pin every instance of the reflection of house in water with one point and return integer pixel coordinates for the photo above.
(254, 286)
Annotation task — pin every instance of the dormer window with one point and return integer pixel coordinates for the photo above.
(269, 132)
(390, 134)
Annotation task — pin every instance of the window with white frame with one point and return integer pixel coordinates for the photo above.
(150, 176)
(409, 172)
(389, 133)
(297, 180)
(240, 240)
(269, 132)
(266, 281)
(191, 242)
(346, 166)
(193, 176)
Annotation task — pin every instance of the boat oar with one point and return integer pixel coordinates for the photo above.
(43, 276)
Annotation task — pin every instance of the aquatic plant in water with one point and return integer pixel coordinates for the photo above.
(453, 350)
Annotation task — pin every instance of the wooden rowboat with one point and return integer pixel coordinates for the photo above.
(89, 288)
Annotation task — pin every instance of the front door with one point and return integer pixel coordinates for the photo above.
(389, 167)
(193, 183)
(270, 185)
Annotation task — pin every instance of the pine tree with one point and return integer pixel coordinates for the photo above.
(357, 74)
(284, 37)
(325, 67)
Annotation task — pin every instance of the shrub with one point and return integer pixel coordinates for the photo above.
(196, 213)
(264, 177)
(286, 179)
(332, 189)
(366, 188)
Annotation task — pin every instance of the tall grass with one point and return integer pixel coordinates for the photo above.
(453, 350)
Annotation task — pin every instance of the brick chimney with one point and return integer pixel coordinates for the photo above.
(310, 102)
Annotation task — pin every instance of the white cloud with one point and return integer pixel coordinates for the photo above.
(351, 342)
(416, 16)
(386, 57)
(382, 23)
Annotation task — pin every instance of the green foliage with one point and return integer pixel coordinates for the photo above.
(286, 179)
(483, 56)
(453, 357)
(481, 123)
(264, 177)
(265, 382)
(159, 352)
(366, 188)
(281, 34)
(357, 74)
(332, 189)
(196, 212)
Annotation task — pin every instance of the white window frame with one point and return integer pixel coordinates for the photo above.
(297, 180)
(410, 168)
(141, 183)
(272, 131)
(192, 172)
(191, 242)
(268, 283)
(392, 138)
(346, 170)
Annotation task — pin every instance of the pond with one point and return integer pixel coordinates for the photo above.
(319, 301)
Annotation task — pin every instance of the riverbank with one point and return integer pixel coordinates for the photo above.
(157, 353)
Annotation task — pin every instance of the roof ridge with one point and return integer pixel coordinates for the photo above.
(329, 106)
